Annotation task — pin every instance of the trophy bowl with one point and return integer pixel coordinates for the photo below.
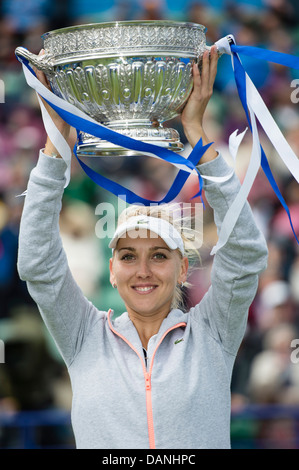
(130, 76)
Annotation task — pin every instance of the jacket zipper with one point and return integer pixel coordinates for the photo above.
(147, 377)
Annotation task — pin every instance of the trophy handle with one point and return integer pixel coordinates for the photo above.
(207, 48)
(220, 53)
(41, 62)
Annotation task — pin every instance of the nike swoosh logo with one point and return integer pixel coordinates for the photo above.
(178, 340)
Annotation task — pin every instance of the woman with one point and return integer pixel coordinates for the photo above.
(155, 377)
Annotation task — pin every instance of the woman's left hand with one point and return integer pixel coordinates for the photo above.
(193, 113)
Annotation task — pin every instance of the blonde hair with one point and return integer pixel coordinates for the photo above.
(174, 214)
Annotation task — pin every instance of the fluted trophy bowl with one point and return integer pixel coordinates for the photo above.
(130, 76)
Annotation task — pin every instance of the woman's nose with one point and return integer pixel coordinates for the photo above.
(143, 269)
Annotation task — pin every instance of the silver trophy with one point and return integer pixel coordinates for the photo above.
(130, 76)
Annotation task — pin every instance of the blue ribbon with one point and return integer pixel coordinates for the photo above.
(239, 73)
(169, 156)
(127, 142)
(131, 197)
(281, 58)
(122, 140)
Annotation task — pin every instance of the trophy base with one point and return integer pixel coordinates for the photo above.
(90, 146)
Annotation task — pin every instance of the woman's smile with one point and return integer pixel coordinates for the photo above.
(146, 272)
(144, 289)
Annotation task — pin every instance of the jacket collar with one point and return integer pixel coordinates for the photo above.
(125, 327)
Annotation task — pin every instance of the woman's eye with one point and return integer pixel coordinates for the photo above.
(127, 257)
(160, 256)
(131, 256)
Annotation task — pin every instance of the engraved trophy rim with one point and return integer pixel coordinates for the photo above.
(109, 24)
(114, 39)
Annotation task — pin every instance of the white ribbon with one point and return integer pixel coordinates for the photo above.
(257, 108)
(64, 150)
(53, 132)
(263, 115)
(234, 211)
(271, 128)
(57, 140)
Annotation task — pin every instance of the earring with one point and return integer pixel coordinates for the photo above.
(181, 284)
(114, 285)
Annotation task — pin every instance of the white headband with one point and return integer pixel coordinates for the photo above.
(156, 225)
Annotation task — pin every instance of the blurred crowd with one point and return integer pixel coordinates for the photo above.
(33, 376)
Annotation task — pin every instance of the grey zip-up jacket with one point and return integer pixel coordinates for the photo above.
(180, 397)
